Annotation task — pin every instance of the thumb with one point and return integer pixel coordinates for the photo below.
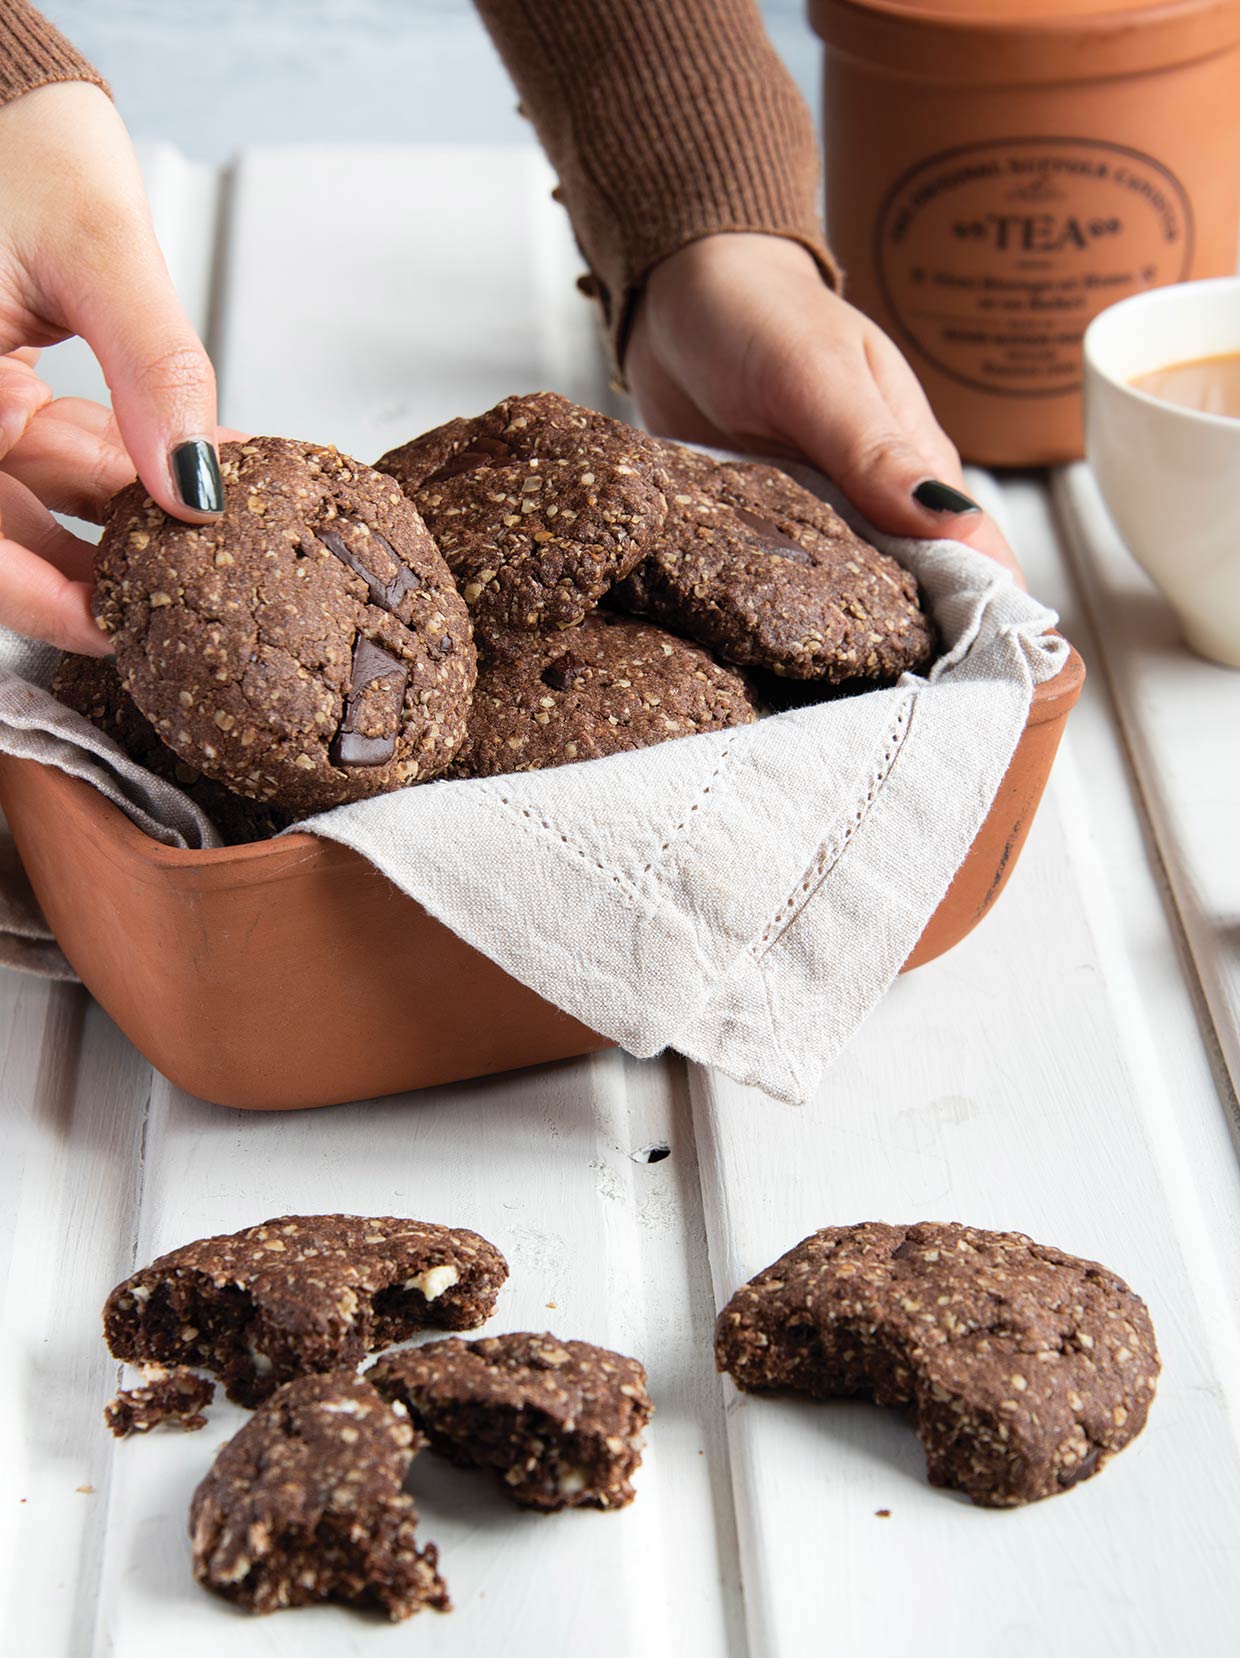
(899, 484)
(159, 374)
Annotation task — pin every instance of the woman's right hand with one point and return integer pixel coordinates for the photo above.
(78, 255)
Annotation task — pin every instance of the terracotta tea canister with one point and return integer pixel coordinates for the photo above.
(999, 171)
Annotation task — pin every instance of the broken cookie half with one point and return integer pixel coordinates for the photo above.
(560, 1422)
(305, 1504)
(302, 1294)
(1027, 1368)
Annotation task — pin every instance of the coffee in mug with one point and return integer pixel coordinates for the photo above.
(1211, 385)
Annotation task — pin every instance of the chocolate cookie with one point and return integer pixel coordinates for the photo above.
(92, 687)
(610, 684)
(1027, 1368)
(538, 507)
(308, 649)
(165, 1396)
(769, 576)
(301, 1294)
(305, 1504)
(559, 1421)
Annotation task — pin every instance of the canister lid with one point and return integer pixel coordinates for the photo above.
(1000, 42)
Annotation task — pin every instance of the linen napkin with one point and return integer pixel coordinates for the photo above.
(744, 897)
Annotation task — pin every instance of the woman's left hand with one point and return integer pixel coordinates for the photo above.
(739, 343)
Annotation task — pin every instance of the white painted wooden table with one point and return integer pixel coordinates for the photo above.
(1064, 1071)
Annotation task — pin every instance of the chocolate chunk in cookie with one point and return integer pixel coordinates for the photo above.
(538, 506)
(91, 686)
(164, 1396)
(301, 1294)
(1027, 1368)
(560, 1422)
(768, 576)
(305, 1504)
(606, 686)
(309, 648)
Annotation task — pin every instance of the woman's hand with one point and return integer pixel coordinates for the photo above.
(738, 343)
(65, 454)
(78, 255)
(68, 457)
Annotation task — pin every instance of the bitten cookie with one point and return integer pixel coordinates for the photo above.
(164, 1396)
(606, 686)
(560, 1422)
(309, 648)
(92, 687)
(769, 576)
(305, 1504)
(1027, 1367)
(300, 1294)
(538, 506)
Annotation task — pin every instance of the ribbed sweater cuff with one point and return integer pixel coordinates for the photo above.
(667, 121)
(33, 52)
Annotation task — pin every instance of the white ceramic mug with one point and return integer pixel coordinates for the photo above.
(1171, 476)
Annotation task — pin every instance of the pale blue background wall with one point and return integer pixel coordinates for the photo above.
(213, 75)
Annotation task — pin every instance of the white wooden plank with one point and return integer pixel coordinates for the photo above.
(75, 1100)
(1181, 717)
(540, 1163)
(1117, 831)
(25, 1006)
(1029, 1080)
(370, 293)
(431, 285)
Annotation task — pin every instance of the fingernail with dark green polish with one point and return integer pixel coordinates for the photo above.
(940, 497)
(196, 472)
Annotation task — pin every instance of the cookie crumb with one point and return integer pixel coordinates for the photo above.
(176, 1395)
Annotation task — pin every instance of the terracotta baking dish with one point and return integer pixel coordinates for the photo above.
(291, 973)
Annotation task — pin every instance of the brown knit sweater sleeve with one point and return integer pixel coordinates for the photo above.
(666, 120)
(35, 53)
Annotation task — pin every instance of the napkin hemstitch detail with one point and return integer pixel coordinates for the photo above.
(833, 848)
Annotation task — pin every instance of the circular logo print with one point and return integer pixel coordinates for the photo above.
(994, 257)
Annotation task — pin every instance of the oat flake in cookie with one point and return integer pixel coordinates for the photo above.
(308, 649)
(560, 1422)
(301, 1294)
(1027, 1368)
(305, 1504)
(538, 506)
(163, 1396)
(768, 576)
(609, 685)
(91, 686)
